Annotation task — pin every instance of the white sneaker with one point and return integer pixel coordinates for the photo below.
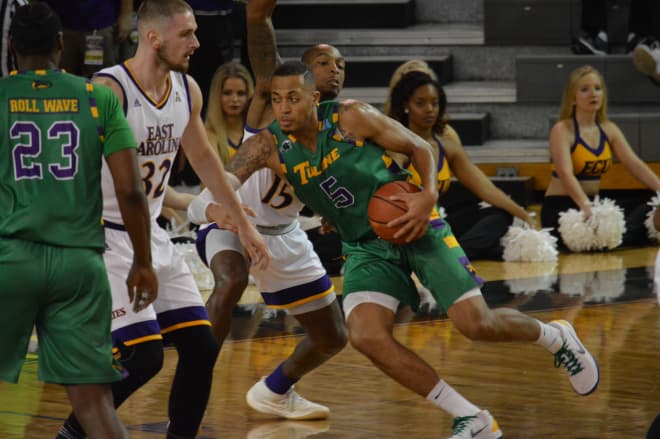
(580, 365)
(646, 58)
(480, 426)
(289, 406)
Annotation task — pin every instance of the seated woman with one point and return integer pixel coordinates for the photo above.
(582, 144)
(419, 102)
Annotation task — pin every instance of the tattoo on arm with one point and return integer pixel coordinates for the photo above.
(253, 155)
(262, 49)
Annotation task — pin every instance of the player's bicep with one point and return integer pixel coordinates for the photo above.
(360, 121)
(255, 153)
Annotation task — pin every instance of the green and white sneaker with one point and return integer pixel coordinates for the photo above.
(480, 426)
(580, 365)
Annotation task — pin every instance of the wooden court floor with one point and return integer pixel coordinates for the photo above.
(609, 297)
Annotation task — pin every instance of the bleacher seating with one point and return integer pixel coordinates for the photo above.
(502, 63)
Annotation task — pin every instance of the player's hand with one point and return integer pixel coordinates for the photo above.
(222, 217)
(326, 227)
(416, 220)
(142, 286)
(254, 244)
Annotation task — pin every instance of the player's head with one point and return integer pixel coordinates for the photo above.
(412, 65)
(167, 27)
(419, 102)
(585, 90)
(329, 68)
(36, 31)
(294, 96)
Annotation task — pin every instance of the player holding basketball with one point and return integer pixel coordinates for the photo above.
(163, 105)
(334, 169)
(295, 280)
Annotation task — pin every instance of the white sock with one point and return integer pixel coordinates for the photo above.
(550, 337)
(449, 400)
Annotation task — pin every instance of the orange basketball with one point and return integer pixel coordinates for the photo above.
(382, 210)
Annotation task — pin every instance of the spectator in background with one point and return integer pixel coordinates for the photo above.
(643, 29)
(231, 89)
(419, 103)
(93, 30)
(582, 144)
(7, 8)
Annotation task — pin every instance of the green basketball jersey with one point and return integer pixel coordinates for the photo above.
(55, 129)
(338, 180)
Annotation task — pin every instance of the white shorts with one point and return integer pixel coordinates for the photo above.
(179, 303)
(295, 279)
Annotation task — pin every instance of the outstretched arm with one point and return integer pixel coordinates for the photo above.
(262, 50)
(361, 121)
(475, 180)
(210, 170)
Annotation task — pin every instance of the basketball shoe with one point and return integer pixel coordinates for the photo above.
(580, 365)
(646, 58)
(480, 426)
(290, 405)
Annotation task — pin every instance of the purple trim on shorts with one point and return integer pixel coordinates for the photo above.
(113, 226)
(465, 262)
(299, 292)
(173, 317)
(135, 331)
(200, 242)
(437, 223)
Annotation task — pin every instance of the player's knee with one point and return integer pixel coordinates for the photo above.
(143, 360)
(478, 328)
(231, 279)
(369, 342)
(196, 346)
(334, 340)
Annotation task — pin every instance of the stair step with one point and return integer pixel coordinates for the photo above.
(367, 71)
(340, 14)
(510, 151)
(457, 92)
(541, 78)
(472, 128)
(527, 22)
(419, 35)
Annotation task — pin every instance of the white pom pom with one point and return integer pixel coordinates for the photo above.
(652, 233)
(603, 230)
(521, 243)
(577, 234)
(610, 224)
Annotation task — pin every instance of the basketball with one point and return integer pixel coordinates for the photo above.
(382, 210)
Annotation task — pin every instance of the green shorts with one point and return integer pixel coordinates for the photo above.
(65, 293)
(436, 258)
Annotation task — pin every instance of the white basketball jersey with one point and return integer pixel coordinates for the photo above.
(271, 198)
(158, 128)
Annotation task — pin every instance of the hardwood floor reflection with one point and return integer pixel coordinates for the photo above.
(609, 298)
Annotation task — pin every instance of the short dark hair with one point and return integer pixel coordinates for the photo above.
(35, 29)
(295, 68)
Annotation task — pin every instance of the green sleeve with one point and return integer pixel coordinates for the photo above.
(117, 132)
